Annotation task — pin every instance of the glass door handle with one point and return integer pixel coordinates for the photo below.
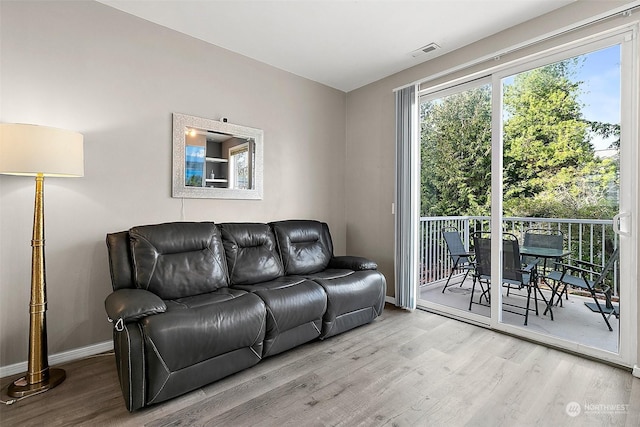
(617, 220)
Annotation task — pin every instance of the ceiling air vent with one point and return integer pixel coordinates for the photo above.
(425, 49)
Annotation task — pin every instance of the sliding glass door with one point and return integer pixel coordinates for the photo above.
(561, 129)
(567, 168)
(544, 150)
(455, 193)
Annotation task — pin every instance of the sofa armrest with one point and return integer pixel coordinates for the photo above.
(352, 263)
(129, 305)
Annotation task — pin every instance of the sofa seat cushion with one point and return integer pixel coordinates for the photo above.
(292, 306)
(187, 348)
(252, 256)
(279, 283)
(295, 307)
(221, 295)
(180, 259)
(352, 300)
(180, 338)
(305, 245)
(330, 273)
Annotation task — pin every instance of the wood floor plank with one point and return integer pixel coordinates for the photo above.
(404, 369)
(337, 373)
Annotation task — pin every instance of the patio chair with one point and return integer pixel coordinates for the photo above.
(513, 272)
(460, 257)
(482, 249)
(589, 277)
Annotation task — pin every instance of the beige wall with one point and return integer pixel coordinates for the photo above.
(371, 126)
(116, 79)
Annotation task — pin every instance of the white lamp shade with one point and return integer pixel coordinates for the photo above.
(31, 150)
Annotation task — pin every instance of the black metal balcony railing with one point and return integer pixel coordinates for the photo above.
(591, 240)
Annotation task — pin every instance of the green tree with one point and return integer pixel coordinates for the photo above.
(194, 181)
(455, 154)
(550, 169)
(549, 164)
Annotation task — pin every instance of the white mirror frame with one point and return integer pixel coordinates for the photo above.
(182, 122)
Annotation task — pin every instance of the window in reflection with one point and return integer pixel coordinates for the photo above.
(239, 176)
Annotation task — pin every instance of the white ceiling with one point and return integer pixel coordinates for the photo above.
(344, 44)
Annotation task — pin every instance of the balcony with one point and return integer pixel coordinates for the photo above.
(588, 240)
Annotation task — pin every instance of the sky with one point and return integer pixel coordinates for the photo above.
(601, 75)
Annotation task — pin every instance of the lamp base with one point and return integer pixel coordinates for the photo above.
(21, 388)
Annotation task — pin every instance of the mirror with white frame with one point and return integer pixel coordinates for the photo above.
(216, 159)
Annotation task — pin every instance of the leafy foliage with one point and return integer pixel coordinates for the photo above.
(455, 152)
(550, 168)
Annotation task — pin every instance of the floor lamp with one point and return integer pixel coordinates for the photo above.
(39, 151)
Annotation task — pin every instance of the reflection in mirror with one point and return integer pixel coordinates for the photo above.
(219, 160)
(216, 159)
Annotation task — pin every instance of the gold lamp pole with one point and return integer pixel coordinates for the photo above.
(36, 150)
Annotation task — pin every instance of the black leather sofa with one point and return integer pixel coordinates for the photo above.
(195, 302)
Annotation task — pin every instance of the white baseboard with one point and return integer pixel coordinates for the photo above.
(390, 300)
(56, 359)
(636, 371)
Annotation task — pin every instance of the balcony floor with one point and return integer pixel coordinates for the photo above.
(573, 321)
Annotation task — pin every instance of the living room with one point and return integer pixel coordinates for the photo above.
(117, 79)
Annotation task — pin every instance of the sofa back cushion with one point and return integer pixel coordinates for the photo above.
(177, 260)
(305, 246)
(252, 256)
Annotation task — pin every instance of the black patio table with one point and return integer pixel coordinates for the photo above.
(545, 253)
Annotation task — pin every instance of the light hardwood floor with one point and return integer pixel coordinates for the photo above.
(403, 369)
